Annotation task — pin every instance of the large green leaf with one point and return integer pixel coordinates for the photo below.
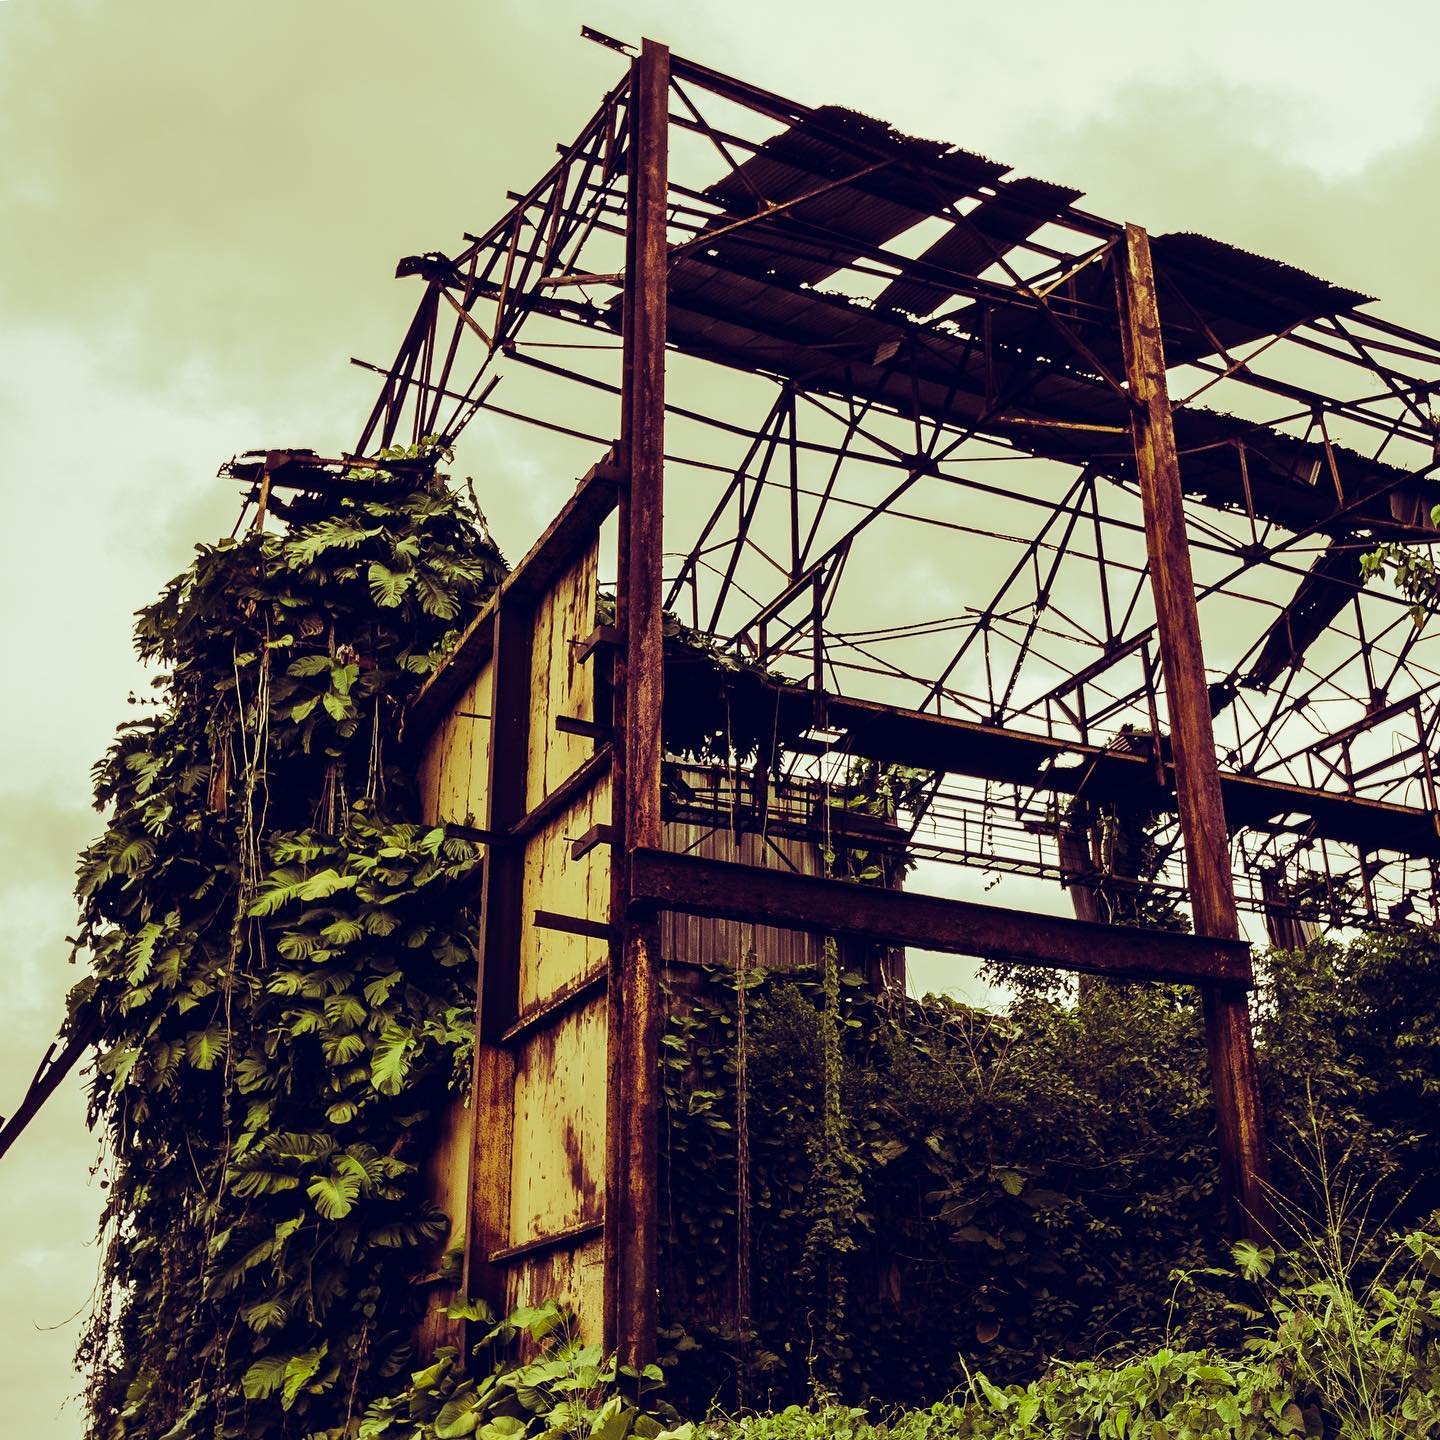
(390, 1059)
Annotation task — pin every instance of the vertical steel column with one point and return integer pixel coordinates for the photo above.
(633, 1101)
(1197, 777)
(492, 1101)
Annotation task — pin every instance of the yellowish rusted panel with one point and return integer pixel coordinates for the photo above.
(454, 769)
(575, 1277)
(561, 685)
(554, 881)
(558, 1146)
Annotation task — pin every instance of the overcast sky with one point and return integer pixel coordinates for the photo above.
(203, 204)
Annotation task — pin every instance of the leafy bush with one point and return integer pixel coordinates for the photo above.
(1023, 1185)
(283, 975)
(528, 1375)
(1326, 1358)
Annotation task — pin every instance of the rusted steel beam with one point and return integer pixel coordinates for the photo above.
(562, 1002)
(1197, 777)
(497, 988)
(567, 1239)
(722, 889)
(632, 1160)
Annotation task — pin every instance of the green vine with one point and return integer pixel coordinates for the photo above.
(283, 975)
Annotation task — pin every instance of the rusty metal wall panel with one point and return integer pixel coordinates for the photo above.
(453, 767)
(453, 779)
(558, 1124)
(558, 1155)
(723, 942)
(560, 686)
(574, 1277)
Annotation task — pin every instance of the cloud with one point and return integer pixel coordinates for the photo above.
(204, 204)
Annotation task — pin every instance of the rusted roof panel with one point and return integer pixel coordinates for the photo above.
(1055, 410)
(991, 230)
(813, 239)
(1240, 296)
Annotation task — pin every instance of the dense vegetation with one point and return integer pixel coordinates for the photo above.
(1011, 1190)
(868, 1199)
(283, 974)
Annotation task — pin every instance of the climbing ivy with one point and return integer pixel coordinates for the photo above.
(282, 972)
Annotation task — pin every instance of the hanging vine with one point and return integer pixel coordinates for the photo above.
(283, 978)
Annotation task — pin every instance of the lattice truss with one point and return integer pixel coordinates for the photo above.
(900, 469)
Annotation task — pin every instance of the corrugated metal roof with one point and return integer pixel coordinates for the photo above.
(746, 300)
(813, 239)
(991, 230)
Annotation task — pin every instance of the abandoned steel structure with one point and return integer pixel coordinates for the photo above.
(859, 374)
(936, 350)
(943, 355)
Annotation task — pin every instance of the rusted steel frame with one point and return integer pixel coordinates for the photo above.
(1405, 396)
(442, 381)
(426, 388)
(1371, 692)
(1337, 737)
(1020, 286)
(1396, 332)
(381, 411)
(1042, 602)
(774, 208)
(1056, 511)
(1402, 658)
(1374, 645)
(924, 740)
(1234, 367)
(746, 516)
(713, 422)
(426, 366)
(777, 107)
(571, 207)
(713, 136)
(822, 588)
(1226, 549)
(722, 889)
(1371, 342)
(1197, 777)
(866, 258)
(834, 475)
(1308, 400)
(883, 262)
(798, 583)
(1367, 363)
(595, 124)
(1219, 587)
(541, 253)
(1265, 736)
(1102, 569)
(464, 318)
(793, 474)
(404, 362)
(687, 568)
(631, 1213)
